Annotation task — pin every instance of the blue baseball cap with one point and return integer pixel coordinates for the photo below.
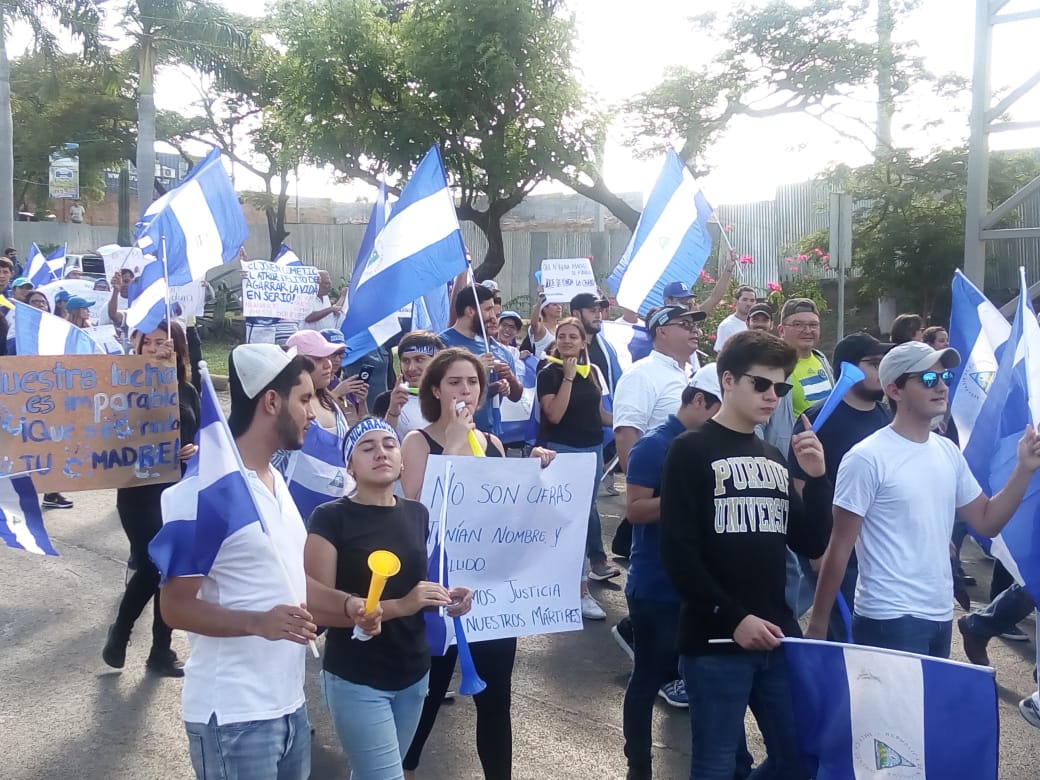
(62, 296)
(76, 302)
(21, 281)
(333, 336)
(677, 290)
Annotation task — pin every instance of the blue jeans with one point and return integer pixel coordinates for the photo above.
(906, 633)
(594, 536)
(375, 727)
(721, 688)
(654, 628)
(1001, 614)
(276, 749)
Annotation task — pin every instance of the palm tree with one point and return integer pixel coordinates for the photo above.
(197, 33)
(80, 17)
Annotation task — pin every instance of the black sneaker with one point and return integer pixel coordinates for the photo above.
(165, 664)
(56, 501)
(114, 652)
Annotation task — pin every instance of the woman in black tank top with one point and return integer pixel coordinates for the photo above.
(452, 388)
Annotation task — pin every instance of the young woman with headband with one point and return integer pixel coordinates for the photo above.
(452, 389)
(375, 687)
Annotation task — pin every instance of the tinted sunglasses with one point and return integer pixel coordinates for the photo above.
(931, 378)
(762, 385)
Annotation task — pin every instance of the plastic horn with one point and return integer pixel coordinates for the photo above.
(850, 375)
(384, 565)
(471, 682)
(474, 442)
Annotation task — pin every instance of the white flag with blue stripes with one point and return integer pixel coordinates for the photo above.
(41, 269)
(670, 243)
(287, 257)
(419, 249)
(40, 333)
(149, 297)
(21, 521)
(201, 221)
(864, 712)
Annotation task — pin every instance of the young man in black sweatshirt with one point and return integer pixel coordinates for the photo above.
(728, 513)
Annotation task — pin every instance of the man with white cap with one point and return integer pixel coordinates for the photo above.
(895, 499)
(243, 700)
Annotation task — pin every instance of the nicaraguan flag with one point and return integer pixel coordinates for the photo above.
(188, 545)
(40, 333)
(1011, 403)
(287, 257)
(41, 269)
(148, 295)
(622, 337)
(201, 221)
(978, 331)
(316, 474)
(21, 521)
(520, 418)
(419, 249)
(864, 712)
(432, 311)
(670, 243)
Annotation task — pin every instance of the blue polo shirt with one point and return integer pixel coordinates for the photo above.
(487, 418)
(646, 577)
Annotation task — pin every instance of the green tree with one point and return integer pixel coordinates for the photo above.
(65, 98)
(45, 19)
(371, 87)
(196, 33)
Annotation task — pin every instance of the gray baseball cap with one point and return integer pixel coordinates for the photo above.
(914, 356)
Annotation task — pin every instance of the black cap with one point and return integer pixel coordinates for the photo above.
(856, 347)
(587, 301)
(666, 314)
(760, 308)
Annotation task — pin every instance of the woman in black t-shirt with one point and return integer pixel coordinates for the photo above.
(374, 686)
(570, 393)
(140, 514)
(451, 391)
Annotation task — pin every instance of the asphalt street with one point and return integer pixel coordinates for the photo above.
(64, 714)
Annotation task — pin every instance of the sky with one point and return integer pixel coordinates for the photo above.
(624, 47)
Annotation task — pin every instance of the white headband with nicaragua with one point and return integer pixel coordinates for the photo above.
(356, 433)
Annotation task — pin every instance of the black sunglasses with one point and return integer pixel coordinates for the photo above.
(762, 385)
(931, 378)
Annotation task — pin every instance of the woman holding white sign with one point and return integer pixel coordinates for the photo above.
(375, 688)
(451, 391)
(570, 392)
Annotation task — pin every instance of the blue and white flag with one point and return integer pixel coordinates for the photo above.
(1012, 402)
(519, 419)
(201, 221)
(287, 257)
(419, 249)
(21, 521)
(316, 474)
(978, 331)
(864, 712)
(149, 299)
(188, 546)
(432, 311)
(670, 243)
(41, 269)
(40, 333)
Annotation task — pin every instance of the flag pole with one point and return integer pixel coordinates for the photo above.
(207, 383)
(476, 303)
(166, 278)
(442, 533)
(729, 244)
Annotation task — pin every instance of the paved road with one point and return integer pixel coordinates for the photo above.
(64, 714)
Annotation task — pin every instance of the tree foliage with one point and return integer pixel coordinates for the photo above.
(371, 86)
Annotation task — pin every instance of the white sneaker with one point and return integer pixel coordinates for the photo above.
(591, 609)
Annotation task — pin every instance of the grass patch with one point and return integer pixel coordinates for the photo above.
(215, 352)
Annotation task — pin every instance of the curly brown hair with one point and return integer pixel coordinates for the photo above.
(434, 374)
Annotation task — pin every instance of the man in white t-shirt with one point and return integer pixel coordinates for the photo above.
(895, 499)
(327, 313)
(243, 700)
(743, 300)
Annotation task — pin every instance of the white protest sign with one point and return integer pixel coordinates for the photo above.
(563, 279)
(105, 335)
(84, 288)
(116, 258)
(188, 300)
(515, 534)
(284, 292)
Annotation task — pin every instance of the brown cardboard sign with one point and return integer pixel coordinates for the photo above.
(88, 422)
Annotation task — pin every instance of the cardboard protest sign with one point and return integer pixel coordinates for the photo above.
(86, 422)
(284, 292)
(563, 279)
(515, 534)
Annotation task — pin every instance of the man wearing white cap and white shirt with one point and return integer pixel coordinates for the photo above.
(243, 700)
(895, 499)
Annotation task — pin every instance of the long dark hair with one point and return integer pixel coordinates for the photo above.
(180, 348)
(574, 322)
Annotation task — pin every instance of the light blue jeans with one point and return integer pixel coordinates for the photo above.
(276, 749)
(375, 727)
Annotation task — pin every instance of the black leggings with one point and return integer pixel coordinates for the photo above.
(140, 514)
(494, 661)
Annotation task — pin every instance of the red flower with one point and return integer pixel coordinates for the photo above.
(747, 260)
(803, 257)
(818, 251)
(774, 287)
(712, 336)
(732, 307)
(790, 260)
(825, 257)
(794, 268)
(706, 277)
